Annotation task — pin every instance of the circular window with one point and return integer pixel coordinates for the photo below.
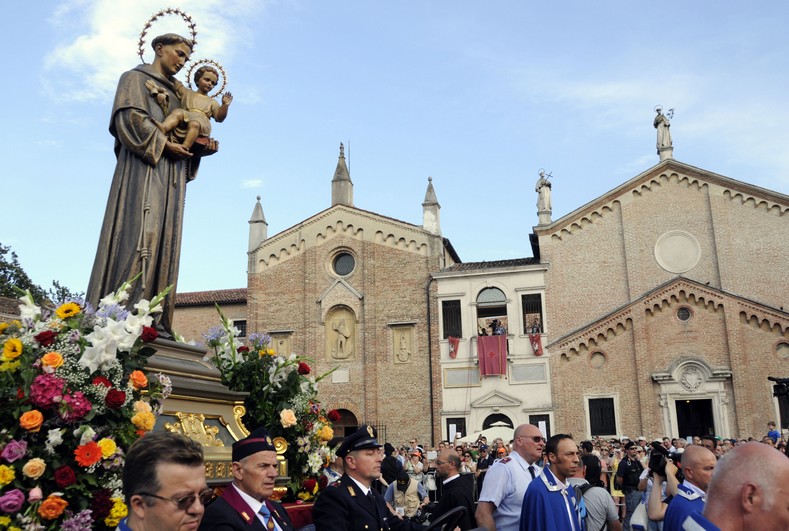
(684, 314)
(344, 264)
(597, 360)
(782, 350)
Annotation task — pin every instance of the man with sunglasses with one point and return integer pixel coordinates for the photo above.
(501, 499)
(164, 484)
(244, 504)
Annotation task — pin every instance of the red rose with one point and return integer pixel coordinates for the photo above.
(308, 485)
(303, 368)
(115, 398)
(20, 393)
(322, 482)
(101, 380)
(148, 334)
(101, 504)
(64, 477)
(45, 338)
(334, 415)
(243, 348)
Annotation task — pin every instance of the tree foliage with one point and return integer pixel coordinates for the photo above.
(12, 274)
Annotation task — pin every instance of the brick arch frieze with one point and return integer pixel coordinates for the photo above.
(678, 293)
(593, 337)
(755, 202)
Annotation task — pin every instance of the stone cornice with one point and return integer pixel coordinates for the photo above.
(666, 172)
(677, 290)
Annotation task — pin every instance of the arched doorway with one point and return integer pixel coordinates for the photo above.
(495, 418)
(346, 425)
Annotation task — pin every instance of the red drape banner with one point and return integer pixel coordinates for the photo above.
(536, 344)
(454, 343)
(492, 354)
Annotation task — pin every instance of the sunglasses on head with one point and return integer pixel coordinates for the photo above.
(184, 503)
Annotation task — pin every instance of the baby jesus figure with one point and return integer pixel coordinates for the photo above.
(196, 108)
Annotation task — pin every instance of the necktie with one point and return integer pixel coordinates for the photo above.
(264, 510)
(531, 471)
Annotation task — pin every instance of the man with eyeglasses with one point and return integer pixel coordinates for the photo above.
(164, 484)
(457, 489)
(245, 504)
(501, 499)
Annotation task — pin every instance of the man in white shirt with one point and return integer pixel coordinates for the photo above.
(501, 499)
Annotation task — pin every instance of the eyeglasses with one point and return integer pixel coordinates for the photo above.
(535, 438)
(186, 502)
(440, 462)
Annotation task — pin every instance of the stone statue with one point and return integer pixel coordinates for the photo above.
(142, 224)
(662, 125)
(343, 349)
(543, 189)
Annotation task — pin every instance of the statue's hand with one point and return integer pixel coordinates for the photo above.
(176, 151)
(227, 98)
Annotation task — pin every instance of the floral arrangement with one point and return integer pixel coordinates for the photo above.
(282, 398)
(75, 398)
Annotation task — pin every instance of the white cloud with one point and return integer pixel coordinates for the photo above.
(251, 183)
(87, 67)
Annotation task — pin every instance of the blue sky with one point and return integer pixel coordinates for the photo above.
(478, 95)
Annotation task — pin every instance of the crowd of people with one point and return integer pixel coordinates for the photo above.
(528, 483)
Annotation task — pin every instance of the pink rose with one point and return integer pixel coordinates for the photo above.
(14, 450)
(11, 501)
(34, 495)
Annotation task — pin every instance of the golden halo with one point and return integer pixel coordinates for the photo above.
(213, 63)
(169, 11)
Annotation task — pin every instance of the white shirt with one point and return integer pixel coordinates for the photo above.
(255, 505)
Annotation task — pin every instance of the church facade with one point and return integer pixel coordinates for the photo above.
(656, 309)
(666, 301)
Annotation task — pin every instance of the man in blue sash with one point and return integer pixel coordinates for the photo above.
(698, 464)
(549, 503)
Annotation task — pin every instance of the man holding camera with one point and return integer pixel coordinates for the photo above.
(698, 464)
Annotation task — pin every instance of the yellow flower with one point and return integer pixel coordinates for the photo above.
(7, 475)
(325, 433)
(108, 447)
(34, 468)
(69, 309)
(9, 366)
(118, 512)
(144, 420)
(12, 349)
(5, 520)
(52, 359)
(3, 326)
(271, 352)
(287, 418)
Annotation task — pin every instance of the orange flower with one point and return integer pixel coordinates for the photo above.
(139, 380)
(52, 507)
(31, 420)
(88, 454)
(52, 359)
(144, 420)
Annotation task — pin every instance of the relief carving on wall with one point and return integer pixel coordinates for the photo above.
(341, 334)
(403, 344)
(692, 378)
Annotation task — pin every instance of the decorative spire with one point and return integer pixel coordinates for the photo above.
(341, 185)
(431, 210)
(258, 228)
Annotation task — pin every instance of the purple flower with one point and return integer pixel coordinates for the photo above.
(82, 521)
(12, 501)
(14, 450)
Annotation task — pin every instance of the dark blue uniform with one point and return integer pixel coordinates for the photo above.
(342, 506)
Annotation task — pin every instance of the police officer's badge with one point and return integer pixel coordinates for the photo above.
(370, 431)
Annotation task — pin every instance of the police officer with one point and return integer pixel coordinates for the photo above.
(351, 503)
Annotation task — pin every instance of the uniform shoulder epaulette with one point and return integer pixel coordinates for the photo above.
(505, 460)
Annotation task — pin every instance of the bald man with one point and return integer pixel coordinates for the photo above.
(698, 464)
(501, 499)
(747, 491)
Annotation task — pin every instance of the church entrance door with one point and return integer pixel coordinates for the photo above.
(694, 417)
